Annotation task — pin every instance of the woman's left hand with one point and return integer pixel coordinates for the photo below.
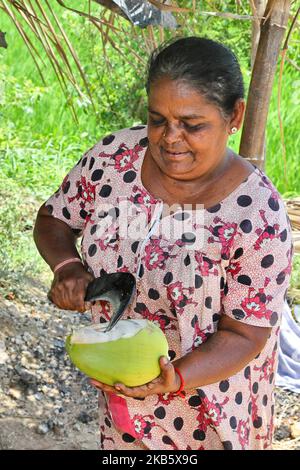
(167, 382)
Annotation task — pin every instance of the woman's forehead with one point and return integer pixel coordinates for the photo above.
(180, 97)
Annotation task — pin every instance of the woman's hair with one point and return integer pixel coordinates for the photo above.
(208, 66)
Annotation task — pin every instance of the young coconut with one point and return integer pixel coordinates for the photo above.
(129, 353)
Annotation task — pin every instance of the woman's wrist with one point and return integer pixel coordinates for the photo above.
(181, 384)
(66, 262)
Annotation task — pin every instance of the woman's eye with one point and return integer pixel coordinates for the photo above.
(156, 122)
(194, 128)
(188, 127)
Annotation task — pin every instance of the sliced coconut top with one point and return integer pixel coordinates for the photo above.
(95, 333)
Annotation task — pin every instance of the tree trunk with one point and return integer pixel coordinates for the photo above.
(260, 90)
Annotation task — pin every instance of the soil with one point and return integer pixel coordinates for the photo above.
(45, 403)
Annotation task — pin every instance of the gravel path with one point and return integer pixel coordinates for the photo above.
(45, 403)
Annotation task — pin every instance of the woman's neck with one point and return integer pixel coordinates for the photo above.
(187, 191)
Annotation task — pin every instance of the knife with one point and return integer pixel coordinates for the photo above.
(116, 288)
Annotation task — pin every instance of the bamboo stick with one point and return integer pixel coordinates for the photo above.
(272, 32)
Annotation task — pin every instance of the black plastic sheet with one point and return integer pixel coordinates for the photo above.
(142, 13)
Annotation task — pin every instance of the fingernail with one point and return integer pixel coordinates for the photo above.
(94, 382)
(118, 388)
(165, 361)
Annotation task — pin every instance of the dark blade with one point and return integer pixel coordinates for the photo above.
(117, 288)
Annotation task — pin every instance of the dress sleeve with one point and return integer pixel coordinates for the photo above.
(73, 202)
(258, 274)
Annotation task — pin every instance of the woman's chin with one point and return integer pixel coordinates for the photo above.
(180, 167)
(177, 162)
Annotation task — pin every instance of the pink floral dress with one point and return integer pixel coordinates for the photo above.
(241, 268)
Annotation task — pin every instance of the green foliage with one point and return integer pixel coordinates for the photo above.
(17, 249)
(289, 183)
(40, 141)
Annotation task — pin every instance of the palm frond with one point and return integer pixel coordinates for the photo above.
(39, 25)
(232, 16)
(170, 8)
(28, 43)
(44, 32)
(86, 15)
(72, 51)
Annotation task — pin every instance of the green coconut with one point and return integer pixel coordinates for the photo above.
(127, 354)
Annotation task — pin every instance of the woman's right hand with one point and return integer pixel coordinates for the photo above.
(69, 287)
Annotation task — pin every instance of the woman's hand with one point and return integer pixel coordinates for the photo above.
(167, 382)
(69, 287)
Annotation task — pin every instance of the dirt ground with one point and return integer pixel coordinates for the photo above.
(45, 403)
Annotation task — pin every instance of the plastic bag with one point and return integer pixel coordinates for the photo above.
(142, 13)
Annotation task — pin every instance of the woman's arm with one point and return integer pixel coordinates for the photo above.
(225, 353)
(56, 242)
(54, 239)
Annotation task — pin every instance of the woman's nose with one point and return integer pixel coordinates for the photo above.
(171, 134)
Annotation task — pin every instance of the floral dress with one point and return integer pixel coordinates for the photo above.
(235, 259)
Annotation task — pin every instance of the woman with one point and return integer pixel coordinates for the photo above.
(217, 290)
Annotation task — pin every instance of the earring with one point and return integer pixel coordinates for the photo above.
(233, 130)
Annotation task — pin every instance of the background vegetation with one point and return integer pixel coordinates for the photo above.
(40, 141)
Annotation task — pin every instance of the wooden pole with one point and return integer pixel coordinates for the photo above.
(271, 35)
(258, 9)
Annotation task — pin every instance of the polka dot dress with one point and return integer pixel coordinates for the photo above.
(235, 259)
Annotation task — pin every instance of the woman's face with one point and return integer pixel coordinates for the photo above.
(187, 135)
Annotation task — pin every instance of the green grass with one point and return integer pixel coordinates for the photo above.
(40, 142)
(17, 213)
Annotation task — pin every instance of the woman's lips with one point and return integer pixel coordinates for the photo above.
(172, 154)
